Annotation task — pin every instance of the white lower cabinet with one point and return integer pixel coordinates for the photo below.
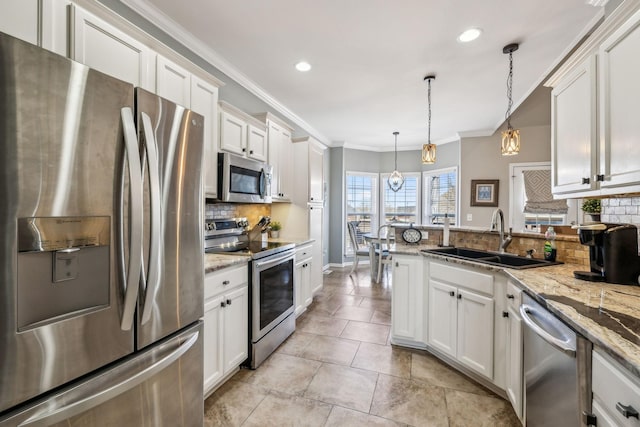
(226, 323)
(408, 301)
(616, 393)
(303, 286)
(461, 316)
(514, 349)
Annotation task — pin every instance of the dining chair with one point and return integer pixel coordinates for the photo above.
(360, 250)
(384, 240)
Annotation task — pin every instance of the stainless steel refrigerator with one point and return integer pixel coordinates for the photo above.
(101, 260)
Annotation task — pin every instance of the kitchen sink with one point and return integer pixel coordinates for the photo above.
(492, 258)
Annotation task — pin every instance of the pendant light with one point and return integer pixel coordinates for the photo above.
(396, 179)
(511, 136)
(429, 149)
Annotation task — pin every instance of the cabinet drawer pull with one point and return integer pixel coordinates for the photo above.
(244, 150)
(226, 282)
(627, 411)
(510, 296)
(222, 304)
(250, 151)
(505, 314)
(451, 293)
(586, 180)
(228, 302)
(459, 296)
(397, 265)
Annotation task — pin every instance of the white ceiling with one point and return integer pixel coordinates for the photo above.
(369, 58)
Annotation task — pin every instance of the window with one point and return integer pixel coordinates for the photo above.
(440, 196)
(403, 205)
(361, 198)
(523, 221)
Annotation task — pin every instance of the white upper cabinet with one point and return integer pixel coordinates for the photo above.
(619, 106)
(574, 137)
(173, 82)
(242, 134)
(595, 100)
(280, 157)
(19, 18)
(204, 101)
(316, 172)
(257, 146)
(105, 48)
(233, 133)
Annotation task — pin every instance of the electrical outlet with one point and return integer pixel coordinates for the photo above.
(469, 217)
(425, 234)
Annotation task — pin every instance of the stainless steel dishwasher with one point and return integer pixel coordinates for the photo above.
(557, 369)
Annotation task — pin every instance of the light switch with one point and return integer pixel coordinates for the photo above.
(469, 217)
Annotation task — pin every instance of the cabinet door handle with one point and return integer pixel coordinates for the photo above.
(510, 296)
(397, 265)
(222, 304)
(459, 296)
(250, 151)
(312, 199)
(226, 282)
(228, 302)
(599, 178)
(586, 180)
(505, 314)
(451, 293)
(627, 411)
(244, 150)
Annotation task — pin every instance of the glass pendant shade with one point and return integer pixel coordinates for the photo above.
(396, 180)
(510, 142)
(428, 154)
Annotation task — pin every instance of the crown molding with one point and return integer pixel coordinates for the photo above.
(180, 34)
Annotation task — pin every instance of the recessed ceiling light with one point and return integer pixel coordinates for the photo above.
(469, 35)
(303, 66)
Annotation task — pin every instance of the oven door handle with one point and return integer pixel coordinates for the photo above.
(526, 311)
(273, 261)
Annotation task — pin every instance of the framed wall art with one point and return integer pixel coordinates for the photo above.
(484, 192)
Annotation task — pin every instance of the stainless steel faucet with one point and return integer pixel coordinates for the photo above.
(504, 242)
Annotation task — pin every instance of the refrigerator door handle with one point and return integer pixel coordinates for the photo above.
(135, 219)
(86, 403)
(155, 239)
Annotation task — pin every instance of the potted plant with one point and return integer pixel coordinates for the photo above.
(275, 228)
(592, 208)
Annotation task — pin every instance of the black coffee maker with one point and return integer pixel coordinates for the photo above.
(613, 253)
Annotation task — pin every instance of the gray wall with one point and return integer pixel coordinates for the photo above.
(336, 205)
(481, 159)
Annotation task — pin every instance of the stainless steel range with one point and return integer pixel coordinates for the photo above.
(271, 317)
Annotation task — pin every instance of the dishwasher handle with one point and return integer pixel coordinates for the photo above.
(527, 311)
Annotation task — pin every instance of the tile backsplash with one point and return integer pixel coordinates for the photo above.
(253, 212)
(621, 210)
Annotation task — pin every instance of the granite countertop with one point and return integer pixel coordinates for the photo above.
(215, 262)
(608, 315)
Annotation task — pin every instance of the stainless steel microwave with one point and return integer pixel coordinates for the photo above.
(243, 180)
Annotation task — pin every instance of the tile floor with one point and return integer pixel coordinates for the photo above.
(338, 369)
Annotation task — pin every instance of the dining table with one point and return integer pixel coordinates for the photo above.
(374, 241)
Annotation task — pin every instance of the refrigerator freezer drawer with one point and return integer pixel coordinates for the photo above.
(161, 386)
